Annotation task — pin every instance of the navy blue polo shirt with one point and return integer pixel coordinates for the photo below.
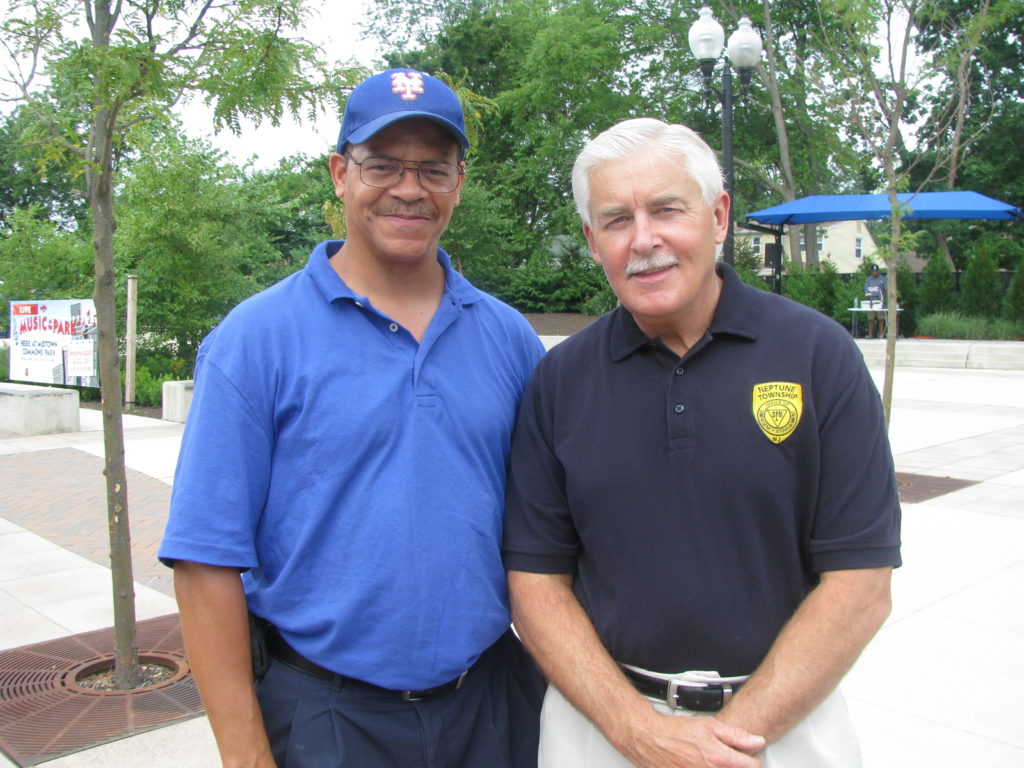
(697, 498)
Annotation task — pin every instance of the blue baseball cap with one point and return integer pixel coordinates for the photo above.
(399, 94)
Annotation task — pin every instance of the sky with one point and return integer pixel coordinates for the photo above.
(334, 27)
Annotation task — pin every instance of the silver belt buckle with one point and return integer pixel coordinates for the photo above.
(673, 691)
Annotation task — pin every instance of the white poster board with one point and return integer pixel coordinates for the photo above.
(54, 342)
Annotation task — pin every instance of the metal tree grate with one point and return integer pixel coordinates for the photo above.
(915, 488)
(45, 714)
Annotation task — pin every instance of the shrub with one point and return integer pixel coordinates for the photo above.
(559, 279)
(601, 302)
(821, 287)
(152, 369)
(908, 292)
(149, 388)
(953, 325)
(748, 265)
(1007, 330)
(938, 289)
(981, 289)
(832, 300)
(1013, 301)
(799, 284)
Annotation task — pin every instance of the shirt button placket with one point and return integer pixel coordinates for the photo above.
(679, 394)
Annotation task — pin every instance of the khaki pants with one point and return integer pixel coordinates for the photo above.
(824, 739)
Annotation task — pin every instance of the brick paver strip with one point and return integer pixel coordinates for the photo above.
(61, 495)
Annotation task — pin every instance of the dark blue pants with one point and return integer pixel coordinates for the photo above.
(490, 722)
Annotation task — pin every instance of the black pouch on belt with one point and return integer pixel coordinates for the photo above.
(258, 645)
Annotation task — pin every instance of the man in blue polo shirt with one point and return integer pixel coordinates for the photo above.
(339, 494)
(702, 512)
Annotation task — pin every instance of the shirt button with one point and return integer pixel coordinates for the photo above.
(679, 371)
(393, 327)
(680, 408)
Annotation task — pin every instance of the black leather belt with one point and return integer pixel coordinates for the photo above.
(284, 652)
(683, 694)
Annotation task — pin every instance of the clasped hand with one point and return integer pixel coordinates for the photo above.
(677, 741)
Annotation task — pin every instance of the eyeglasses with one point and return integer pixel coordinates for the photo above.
(387, 172)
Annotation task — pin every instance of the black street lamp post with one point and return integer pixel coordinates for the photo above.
(707, 39)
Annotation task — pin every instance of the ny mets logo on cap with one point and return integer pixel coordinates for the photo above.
(777, 408)
(408, 84)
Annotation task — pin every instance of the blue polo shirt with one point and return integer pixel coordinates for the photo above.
(696, 499)
(356, 476)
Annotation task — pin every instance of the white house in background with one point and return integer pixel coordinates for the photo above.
(847, 244)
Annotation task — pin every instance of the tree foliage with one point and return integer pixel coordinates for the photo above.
(1013, 302)
(28, 181)
(190, 272)
(829, 106)
(981, 289)
(40, 261)
(938, 286)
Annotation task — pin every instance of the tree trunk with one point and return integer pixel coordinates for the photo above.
(794, 246)
(811, 243)
(101, 200)
(891, 315)
(781, 131)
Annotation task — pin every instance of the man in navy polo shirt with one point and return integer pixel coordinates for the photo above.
(702, 513)
(346, 453)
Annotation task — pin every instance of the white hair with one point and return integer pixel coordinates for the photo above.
(625, 138)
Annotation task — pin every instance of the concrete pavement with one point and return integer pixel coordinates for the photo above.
(939, 686)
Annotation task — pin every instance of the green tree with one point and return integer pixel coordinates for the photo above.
(938, 286)
(978, 46)
(482, 238)
(553, 74)
(560, 278)
(190, 233)
(820, 287)
(286, 206)
(799, 284)
(39, 261)
(87, 97)
(28, 181)
(883, 96)
(981, 289)
(909, 298)
(832, 294)
(748, 265)
(1013, 301)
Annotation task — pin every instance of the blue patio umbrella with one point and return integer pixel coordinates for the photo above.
(919, 205)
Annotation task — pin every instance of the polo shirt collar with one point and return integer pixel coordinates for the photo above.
(333, 287)
(737, 314)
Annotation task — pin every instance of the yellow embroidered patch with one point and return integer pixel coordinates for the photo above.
(777, 408)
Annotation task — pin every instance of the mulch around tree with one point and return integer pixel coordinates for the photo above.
(558, 323)
(149, 411)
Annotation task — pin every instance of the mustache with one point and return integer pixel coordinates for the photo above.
(651, 262)
(407, 210)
